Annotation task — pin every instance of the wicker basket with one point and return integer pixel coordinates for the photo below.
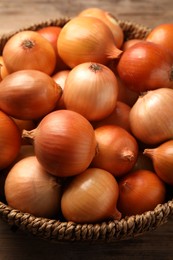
(56, 230)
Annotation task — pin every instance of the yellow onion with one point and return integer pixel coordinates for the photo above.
(140, 191)
(117, 150)
(64, 142)
(91, 89)
(151, 116)
(162, 158)
(29, 188)
(86, 39)
(91, 197)
(28, 94)
(109, 20)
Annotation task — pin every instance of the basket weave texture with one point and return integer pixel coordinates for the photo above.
(55, 230)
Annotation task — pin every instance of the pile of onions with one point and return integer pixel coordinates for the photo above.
(161, 157)
(64, 143)
(151, 116)
(91, 89)
(117, 150)
(109, 20)
(86, 39)
(140, 191)
(28, 94)
(29, 188)
(90, 197)
(29, 50)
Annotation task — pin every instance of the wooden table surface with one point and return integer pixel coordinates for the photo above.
(18, 245)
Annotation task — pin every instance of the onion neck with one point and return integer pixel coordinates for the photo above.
(29, 135)
(114, 52)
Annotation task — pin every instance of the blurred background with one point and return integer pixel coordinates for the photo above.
(17, 14)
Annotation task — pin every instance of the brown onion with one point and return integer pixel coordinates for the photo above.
(30, 189)
(161, 157)
(91, 197)
(140, 191)
(28, 94)
(119, 117)
(151, 116)
(91, 89)
(86, 39)
(117, 150)
(64, 142)
(146, 66)
(29, 50)
(10, 140)
(109, 20)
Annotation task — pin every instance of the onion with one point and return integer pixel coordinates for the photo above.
(10, 140)
(117, 150)
(129, 43)
(146, 66)
(119, 117)
(162, 35)
(29, 188)
(109, 20)
(151, 116)
(28, 94)
(91, 197)
(91, 89)
(3, 69)
(60, 78)
(86, 39)
(161, 157)
(31, 51)
(64, 142)
(51, 33)
(140, 191)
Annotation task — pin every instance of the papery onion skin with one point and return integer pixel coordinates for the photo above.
(86, 39)
(146, 66)
(29, 50)
(10, 140)
(91, 197)
(109, 20)
(151, 116)
(64, 143)
(140, 191)
(117, 150)
(30, 189)
(161, 157)
(91, 89)
(28, 94)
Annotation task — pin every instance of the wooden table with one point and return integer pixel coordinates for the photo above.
(18, 245)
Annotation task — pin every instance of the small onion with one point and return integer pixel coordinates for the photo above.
(91, 89)
(10, 140)
(28, 94)
(161, 157)
(30, 189)
(117, 150)
(151, 116)
(140, 191)
(64, 142)
(86, 39)
(91, 197)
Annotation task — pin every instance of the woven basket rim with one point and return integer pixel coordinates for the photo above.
(56, 230)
